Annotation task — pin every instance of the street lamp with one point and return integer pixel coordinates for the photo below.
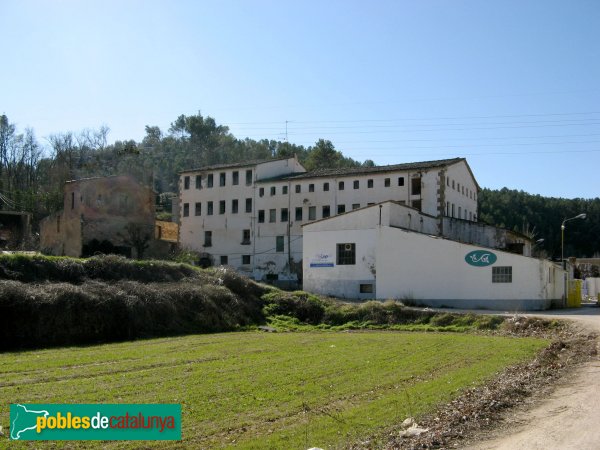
(562, 237)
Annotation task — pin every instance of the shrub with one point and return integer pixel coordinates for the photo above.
(301, 305)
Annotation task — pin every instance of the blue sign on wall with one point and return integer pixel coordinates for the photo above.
(480, 258)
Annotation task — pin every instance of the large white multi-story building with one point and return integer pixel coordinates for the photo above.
(250, 215)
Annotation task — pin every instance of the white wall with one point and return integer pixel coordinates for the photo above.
(460, 191)
(413, 265)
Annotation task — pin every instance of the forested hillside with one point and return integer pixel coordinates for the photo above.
(542, 216)
(32, 174)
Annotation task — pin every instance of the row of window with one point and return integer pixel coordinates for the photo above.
(416, 186)
(279, 240)
(451, 211)
(210, 207)
(210, 179)
(461, 189)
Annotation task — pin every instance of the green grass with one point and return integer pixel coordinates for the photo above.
(264, 390)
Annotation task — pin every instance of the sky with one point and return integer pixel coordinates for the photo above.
(513, 86)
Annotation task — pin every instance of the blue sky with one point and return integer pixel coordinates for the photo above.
(511, 85)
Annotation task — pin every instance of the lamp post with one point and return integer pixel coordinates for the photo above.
(562, 237)
(562, 250)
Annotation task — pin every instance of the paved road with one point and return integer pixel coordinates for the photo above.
(569, 419)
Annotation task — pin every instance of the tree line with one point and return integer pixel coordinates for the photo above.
(32, 175)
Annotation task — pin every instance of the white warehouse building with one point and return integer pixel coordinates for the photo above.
(388, 251)
(250, 215)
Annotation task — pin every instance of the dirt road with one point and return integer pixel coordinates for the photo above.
(569, 419)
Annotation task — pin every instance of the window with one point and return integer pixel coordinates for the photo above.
(386, 182)
(341, 186)
(234, 206)
(452, 209)
(235, 178)
(284, 214)
(325, 186)
(272, 215)
(222, 179)
(298, 189)
(369, 184)
(415, 186)
(311, 187)
(447, 208)
(209, 180)
(261, 216)
(326, 211)
(356, 184)
(452, 184)
(261, 192)
(463, 190)
(346, 254)
(448, 182)
(208, 239)
(341, 209)
(198, 209)
(400, 181)
(248, 205)
(186, 182)
(209, 208)
(459, 212)
(366, 288)
(186, 209)
(245, 237)
(221, 206)
(312, 213)
(224, 260)
(502, 274)
(279, 244)
(248, 177)
(416, 204)
(284, 190)
(198, 181)
(355, 205)
(458, 187)
(273, 190)
(299, 213)
(246, 260)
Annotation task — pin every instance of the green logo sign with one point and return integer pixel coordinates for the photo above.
(95, 422)
(480, 258)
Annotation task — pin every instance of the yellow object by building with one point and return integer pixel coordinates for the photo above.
(574, 296)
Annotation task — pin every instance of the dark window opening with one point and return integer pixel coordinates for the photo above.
(209, 180)
(279, 244)
(284, 214)
(198, 181)
(400, 181)
(416, 204)
(326, 211)
(221, 206)
(272, 215)
(208, 239)
(415, 187)
(246, 260)
(299, 213)
(298, 188)
(311, 187)
(261, 192)
(273, 190)
(235, 178)
(198, 209)
(369, 184)
(246, 237)
(356, 184)
(209, 208)
(386, 182)
(186, 209)
(312, 213)
(341, 186)
(366, 288)
(355, 205)
(234, 206)
(261, 216)
(341, 209)
(186, 182)
(248, 205)
(346, 254)
(248, 177)
(284, 190)
(502, 274)
(222, 179)
(325, 186)
(224, 260)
